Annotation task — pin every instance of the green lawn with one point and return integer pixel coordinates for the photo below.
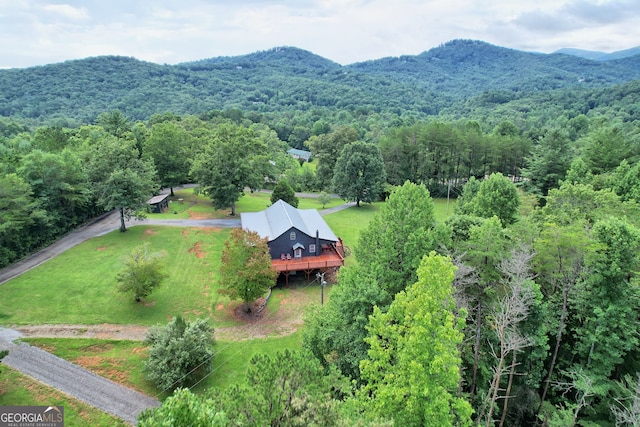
(79, 285)
(21, 390)
(186, 204)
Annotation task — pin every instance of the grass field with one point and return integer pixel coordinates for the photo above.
(18, 389)
(79, 287)
(186, 204)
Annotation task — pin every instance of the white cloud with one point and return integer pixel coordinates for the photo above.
(67, 11)
(346, 31)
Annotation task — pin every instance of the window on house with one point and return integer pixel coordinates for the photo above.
(312, 248)
(292, 236)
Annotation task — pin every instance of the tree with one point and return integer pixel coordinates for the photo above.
(324, 199)
(183, 408)
(284, 192)
(114, 122)
(626, 409)
(168, 146)
(142, 272)
(119, 179)
(495, 196)
(389, 251)
(20, 213)
(289, 388)
(233, 159)
(59, 181)
(507, 314)
(359, 173)
(550, 159)
(609, 325)
(246, 272)
(605, 147)
(413, 370)
(179, 353)
(326, 149)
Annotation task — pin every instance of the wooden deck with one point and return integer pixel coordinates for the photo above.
(330, 258)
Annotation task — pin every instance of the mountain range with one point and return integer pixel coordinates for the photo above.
(285, 78)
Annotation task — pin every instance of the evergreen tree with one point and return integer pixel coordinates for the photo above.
(284, 192)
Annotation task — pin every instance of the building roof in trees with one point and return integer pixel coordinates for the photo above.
(280, 217)
(300, 154)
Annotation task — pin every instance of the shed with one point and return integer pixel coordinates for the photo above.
(158, 204)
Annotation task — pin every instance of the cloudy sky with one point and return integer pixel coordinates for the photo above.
(37, 32)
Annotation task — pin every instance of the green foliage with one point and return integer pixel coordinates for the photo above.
(324, 199)
(21, 220)
(359, 173)
(389, 252)
(609, 324)
(234, 158)
(179, 354)
(246, 272)
(413, 370)
(142, 272)
(550, 159)
(326, 149)
(287, 389)
(168, 146)
(496, 196)
(284, 192)
(183, 408)
(119, 179)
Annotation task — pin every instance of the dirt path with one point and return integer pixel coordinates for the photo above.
(280, 318)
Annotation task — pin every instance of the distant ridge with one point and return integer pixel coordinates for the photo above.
(289, 78)
(600, 56)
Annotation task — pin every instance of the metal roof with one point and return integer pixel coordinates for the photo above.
(281, 216)
(157, 199)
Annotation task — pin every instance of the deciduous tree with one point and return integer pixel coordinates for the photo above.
(413, 370)
(359, 173)
(168, 147)
(184, 408)
(246, 272)
(142, 272)
(119, 178)
(234, 158)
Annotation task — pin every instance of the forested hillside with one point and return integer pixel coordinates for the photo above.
(291, 79)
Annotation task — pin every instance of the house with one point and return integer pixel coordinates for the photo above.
(298, 239)
(300, 154)
(158, 204)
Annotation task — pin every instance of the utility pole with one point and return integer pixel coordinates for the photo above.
(323, 283)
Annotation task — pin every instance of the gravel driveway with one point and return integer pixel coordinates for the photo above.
(73, 380)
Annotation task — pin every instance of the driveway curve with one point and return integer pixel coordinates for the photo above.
(74, 380)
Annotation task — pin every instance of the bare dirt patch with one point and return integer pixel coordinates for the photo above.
(101, 248)
(196, 249)
(199, 215)
(150, 231)
(104, 331)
